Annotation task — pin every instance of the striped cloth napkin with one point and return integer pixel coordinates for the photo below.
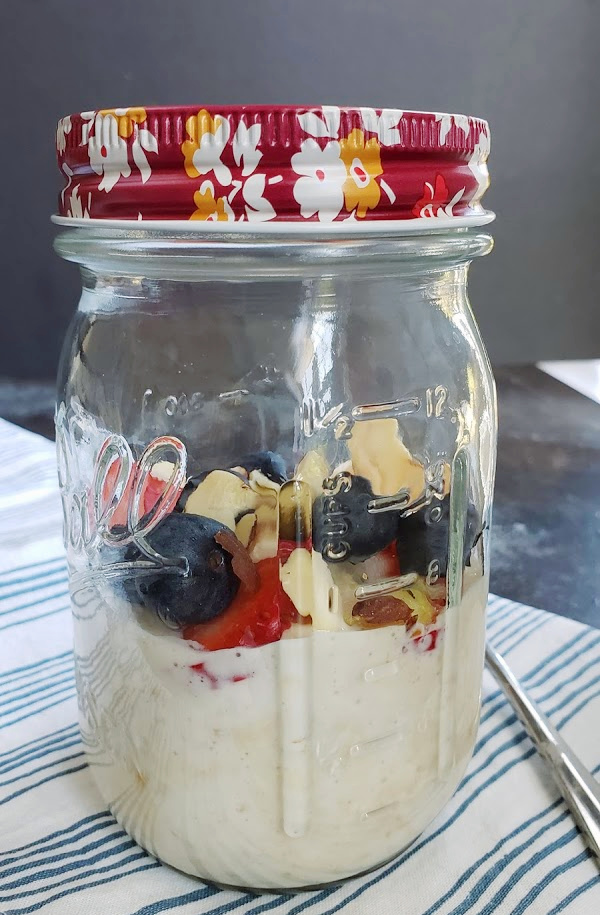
(504, 844)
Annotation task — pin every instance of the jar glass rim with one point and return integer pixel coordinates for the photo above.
(157, 252)
(310, 229)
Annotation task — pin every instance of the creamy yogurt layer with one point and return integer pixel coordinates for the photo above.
(299, 762)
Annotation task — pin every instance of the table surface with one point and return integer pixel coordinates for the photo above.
(546, 530)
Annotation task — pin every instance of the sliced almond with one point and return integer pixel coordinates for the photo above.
(382, 611)
(312, 470)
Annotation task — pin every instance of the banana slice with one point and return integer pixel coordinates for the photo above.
(379, 454)
(266, 532)
(307, 581)
(222, 496)
(312, 470)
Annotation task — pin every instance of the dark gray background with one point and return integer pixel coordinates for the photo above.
(529, 66)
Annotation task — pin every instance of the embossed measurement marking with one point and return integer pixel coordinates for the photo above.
(336, 524)
(374, 744)
(385, 586)
(387, 410)
(378, 811)
(381, 671)
(435, 399)
(400, 501)
(234, 395)
(365, 412)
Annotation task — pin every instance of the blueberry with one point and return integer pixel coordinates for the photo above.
(211, 584)
(268, 462)
(343, 528)
(423, 538)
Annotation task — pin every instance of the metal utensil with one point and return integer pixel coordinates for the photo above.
(578, 787)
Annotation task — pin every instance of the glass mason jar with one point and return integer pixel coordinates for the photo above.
(276, 442)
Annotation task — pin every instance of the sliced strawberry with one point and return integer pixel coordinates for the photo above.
(251, 619)
(383, 564)
(151, 493)
(428, 641)
(389, 556)
(119, 516)
(213, 681)
(285, 548)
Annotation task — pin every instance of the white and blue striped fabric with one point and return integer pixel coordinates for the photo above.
(505, 844)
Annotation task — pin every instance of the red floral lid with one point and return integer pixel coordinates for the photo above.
(262, 164)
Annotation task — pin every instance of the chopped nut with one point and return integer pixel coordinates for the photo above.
(383, 611)
(241, 563)
(245, 528)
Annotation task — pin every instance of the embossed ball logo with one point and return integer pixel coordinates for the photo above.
(126, 500)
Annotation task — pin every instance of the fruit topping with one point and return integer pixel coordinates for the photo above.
(424, 606)
(252, 619)
(381, 611)
(428, 641)
(343, 528)
(245, 528)
(230, 498)
(263, 544)
(313, 470)
(307, 580)
(241, 563)
(269, 463)
(154, 485)
(223, 496)
(379, 454)
(216, 681)
(295, 511)
(422, 543)
(383, 564)
(211, 583)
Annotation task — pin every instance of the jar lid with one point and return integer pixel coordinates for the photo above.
(257, 164)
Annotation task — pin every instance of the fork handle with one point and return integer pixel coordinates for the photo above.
(577, 785)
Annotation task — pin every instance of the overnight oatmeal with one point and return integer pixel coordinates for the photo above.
(293, 694)
(276, 438)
